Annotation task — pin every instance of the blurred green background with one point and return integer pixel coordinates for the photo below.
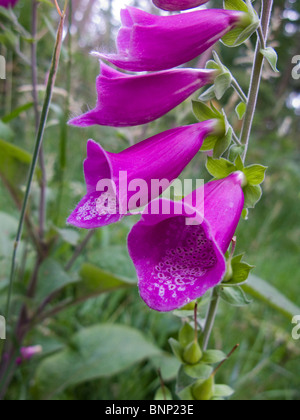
(267, 363)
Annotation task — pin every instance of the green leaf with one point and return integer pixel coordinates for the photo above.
(253, 195)
(255, 174)
(199, 371)
(95, 281)
(186, 335)
(241, 273)
(51, 279)
(185, 380)
(265, 292)
(272, 57)
(207, 95)
(71, 236)
(203, 112)
(219, 168)
(239, 164)
(14, 166)
(168, 366)
(222, 84)
(238, 5)
(97, 352)
(212, 65)
(186, 394)
(17, 112)
(177, 349)
(223, 144)
(209, 143)
(213, 356)
(115, 260)
(8, 229)
(241, 110)
(223, 391)
(234, 296)
(236, 151)
(6, 133)
(245, 214)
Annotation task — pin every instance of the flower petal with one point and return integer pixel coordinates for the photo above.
(126, 100)
(177, 5)
(151, 43)
(95, 210)
(128, 177)
(175, 263)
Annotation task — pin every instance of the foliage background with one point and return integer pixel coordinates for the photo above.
(267, 364)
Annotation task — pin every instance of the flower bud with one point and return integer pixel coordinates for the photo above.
(204, 391)
(193, 353)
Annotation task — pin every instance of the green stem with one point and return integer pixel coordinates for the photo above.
(38, 143)
(64, 127)
(261, 37)
(256, 77)
(210, 318)
(235, 84)
(245, 138)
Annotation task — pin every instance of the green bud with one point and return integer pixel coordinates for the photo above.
(204, 391)
(193, 353)
(186, 335)
(229, 272)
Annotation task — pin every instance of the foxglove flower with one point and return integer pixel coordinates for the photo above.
(150, 43)
(27, 353)
(113, 179)
(8, 3)
(126, 100)
(177, 263)
(177, 5)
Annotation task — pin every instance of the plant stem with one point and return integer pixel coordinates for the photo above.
(64, 127)
(210, 318)
(38, 143)
(235, 84)
(79, 250)
(261, 37)
(256, 77)
(266, 13)
(42, 207)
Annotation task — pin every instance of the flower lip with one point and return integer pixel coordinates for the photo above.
(176, 262)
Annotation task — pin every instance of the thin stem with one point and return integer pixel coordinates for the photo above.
(210, 318)
(38, 143)
(266, 13)
(225, 360)
(261, 37)
(196, 321)
(34, 78)
(64, 127)
(235, 84)
(256, 77)
(235, 138)
(79, 250)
